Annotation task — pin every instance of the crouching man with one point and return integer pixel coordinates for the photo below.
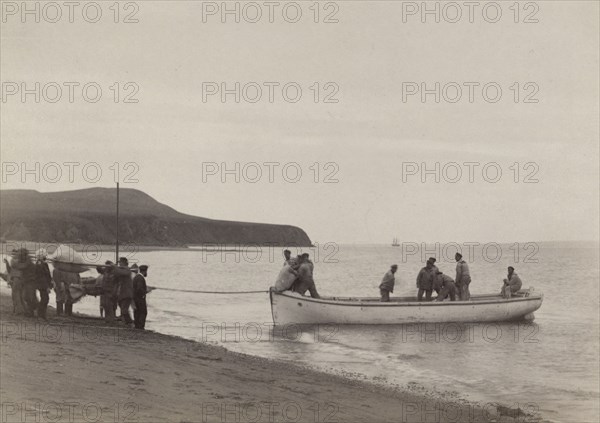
(305, 280)
(512, 283)
(448, 288)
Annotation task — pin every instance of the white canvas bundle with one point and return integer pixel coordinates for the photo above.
(285, 279)
(68, 260)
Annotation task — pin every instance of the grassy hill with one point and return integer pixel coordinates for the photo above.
(88, 216)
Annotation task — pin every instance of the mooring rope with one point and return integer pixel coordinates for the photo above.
(263, 291)
(212, 292)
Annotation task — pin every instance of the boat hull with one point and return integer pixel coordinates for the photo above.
(291, 308)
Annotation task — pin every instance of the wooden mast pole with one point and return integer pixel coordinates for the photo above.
(117, 250)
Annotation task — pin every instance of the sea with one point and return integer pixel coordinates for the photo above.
(548, 367)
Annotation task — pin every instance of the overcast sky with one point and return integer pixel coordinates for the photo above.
(368, 137)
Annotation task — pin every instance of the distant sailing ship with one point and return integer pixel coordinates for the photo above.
(395, 243)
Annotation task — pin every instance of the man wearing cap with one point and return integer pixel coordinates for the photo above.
(122, 275)
(139, 297)
(425, 281)
(387, 284)
(463, 278)
(512, 283)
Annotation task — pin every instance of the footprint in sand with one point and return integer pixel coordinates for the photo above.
(202, 357)
(133, 380)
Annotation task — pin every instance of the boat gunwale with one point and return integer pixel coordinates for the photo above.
(372, 302)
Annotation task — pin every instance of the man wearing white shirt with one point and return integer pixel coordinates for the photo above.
(463, 278)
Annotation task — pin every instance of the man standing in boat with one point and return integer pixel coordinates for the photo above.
(387, 284)
(425, 281)
(463, 278)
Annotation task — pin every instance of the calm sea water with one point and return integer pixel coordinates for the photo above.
(550, 365)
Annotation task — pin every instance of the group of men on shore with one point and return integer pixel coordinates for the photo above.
(297, 275)
(124, 287)
(430, 279)
(118, 285)
(26, 277)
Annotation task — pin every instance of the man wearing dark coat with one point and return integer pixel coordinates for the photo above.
(425, 281)
(139, 297)
(22, 282)
(122, 276)
(43, 283)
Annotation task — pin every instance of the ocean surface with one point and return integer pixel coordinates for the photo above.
(549, 366)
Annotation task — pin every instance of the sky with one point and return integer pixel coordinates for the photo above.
(368, 145)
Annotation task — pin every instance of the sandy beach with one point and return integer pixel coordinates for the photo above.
(80, 370)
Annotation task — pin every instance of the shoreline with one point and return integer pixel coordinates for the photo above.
(132, 248)
(119, 372)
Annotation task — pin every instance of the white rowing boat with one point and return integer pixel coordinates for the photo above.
(290, 308)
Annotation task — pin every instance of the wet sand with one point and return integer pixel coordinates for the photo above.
(79, 369)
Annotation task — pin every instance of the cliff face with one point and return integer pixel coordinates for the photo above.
(88, 216)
